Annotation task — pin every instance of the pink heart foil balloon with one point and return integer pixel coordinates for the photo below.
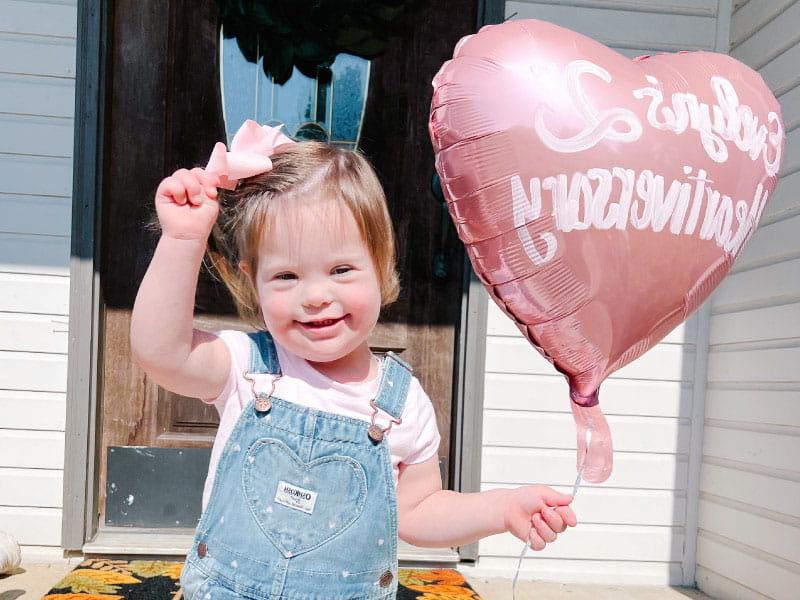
(601, 199)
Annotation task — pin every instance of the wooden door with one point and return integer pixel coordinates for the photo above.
(164, 112)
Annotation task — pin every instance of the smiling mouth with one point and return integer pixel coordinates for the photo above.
(322, 324)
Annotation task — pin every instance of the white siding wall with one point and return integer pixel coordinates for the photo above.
(633, 527)
(37, 83)
(749, 537)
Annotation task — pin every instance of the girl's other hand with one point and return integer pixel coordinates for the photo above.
(537, 514)
(186, 204)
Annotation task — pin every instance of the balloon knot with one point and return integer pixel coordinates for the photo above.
(592, 399)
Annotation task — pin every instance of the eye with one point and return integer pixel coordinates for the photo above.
(341, 270)
(285, 276)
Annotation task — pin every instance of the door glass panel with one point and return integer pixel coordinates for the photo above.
(328, 107)
(348, 97)
(238, 85)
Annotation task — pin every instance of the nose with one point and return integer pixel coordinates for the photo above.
(316, 294)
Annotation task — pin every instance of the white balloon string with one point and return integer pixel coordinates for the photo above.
(519, 564)
(575, 488)
(588, 439)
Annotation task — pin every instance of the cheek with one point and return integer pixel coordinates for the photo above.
(275, 306)
(367, 300)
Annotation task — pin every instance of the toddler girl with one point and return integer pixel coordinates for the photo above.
(325, 454)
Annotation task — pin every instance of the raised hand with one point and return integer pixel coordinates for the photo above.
(186, 204)
(537, 514)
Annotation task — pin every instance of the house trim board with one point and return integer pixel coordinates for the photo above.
(471, 355)
(80, 460)
(468, 422)
(689, 560)
(700, 376)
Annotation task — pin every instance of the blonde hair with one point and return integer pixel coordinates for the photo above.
(302, 172)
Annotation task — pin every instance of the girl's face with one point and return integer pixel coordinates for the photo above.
(317, 284)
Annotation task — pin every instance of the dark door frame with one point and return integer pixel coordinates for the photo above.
(80, 516)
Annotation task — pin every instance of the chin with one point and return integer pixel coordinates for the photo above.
(317, 356)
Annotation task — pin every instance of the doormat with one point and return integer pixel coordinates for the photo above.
(105, 579)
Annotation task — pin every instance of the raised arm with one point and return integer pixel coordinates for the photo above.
(163, 341)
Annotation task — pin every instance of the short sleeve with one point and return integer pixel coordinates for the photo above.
(238, 347)
(419, 410)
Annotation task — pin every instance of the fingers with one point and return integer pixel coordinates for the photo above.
(193, 186)
(171, 190)
(535, 541)
(209, 181)
(553, 519)
(534, 531)
(543, 529)
(566, 514)
(540, 513)
(189, 186)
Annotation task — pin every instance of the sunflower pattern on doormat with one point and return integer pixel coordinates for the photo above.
(106, 579)
(433, 584)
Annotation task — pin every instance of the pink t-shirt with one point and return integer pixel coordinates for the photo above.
(414, 440)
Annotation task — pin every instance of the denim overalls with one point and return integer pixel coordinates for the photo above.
(303, 504)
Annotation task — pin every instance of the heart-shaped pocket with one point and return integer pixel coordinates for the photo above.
(298, 505)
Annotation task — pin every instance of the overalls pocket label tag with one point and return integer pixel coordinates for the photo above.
(295, 497)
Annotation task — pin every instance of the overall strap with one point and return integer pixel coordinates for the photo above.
(393, 388)
(263, 354)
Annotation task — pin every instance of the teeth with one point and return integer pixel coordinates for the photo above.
(323, 323)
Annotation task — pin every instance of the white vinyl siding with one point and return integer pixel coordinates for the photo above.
(37, 96)
(749, 523)
(633, 527)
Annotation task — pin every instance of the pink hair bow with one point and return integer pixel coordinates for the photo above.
(249, 155)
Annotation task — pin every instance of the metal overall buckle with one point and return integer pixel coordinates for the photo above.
(375, 433)
(263, 400)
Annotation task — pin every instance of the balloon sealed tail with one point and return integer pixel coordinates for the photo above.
(595, 458)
